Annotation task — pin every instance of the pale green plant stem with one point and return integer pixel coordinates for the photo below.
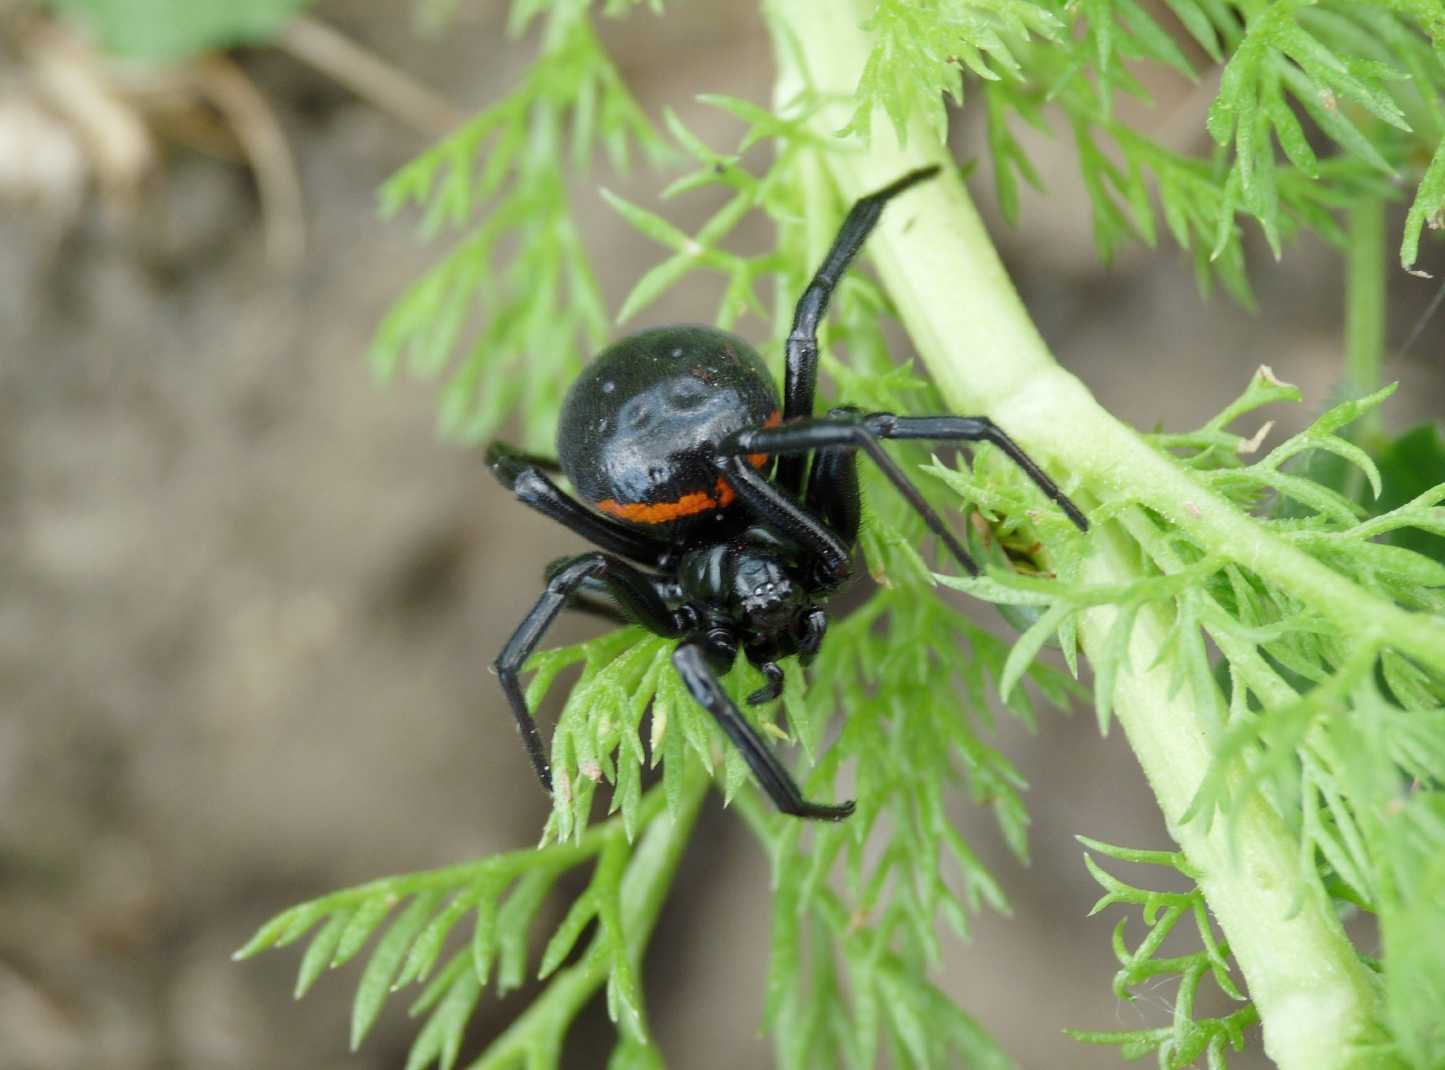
(1245, 658)
(1365, 305)
(535, 1038)
(1314, 996)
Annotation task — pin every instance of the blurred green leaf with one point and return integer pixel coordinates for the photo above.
(1409, 466)
(169, 30)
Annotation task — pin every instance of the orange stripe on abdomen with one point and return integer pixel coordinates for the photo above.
(690, 504)
(661, 512)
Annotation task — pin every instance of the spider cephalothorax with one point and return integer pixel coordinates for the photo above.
(723, 519)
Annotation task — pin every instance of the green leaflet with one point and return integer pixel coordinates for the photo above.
(1187, 1038)
(1411, 465)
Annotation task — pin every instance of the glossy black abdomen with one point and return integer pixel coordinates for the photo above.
(638, 424)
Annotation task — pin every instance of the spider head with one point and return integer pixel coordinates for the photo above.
(771, 605)
(764, 590)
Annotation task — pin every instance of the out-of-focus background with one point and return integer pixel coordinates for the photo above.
(248, 598)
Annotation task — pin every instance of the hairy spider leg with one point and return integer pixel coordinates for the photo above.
(523, 475)
(631, 588)
(851, 431)
(701, 681)
(800, 379)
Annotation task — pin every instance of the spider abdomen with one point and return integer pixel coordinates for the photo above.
(639, 425)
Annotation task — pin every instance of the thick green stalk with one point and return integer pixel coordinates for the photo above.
(1314, 996)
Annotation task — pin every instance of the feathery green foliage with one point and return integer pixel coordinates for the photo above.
(1298, 633)
(1344, 735)
(496, 183)
(498, 899)
(1367, 76)
(1186, 1038)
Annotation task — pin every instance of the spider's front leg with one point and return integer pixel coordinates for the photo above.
(692, 664)
(830, 551)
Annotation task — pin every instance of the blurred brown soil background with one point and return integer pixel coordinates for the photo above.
(248, 598)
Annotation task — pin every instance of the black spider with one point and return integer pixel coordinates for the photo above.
(669, 435)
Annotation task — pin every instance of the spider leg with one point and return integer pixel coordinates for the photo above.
(702, 683)
(631, 588)
(801, 375)
(833, 487)
(780, 510)
(822, 434)
(522, 457)
(599, 606)
(976, 429)
(594, 598)
(523, 475)
(850, 431)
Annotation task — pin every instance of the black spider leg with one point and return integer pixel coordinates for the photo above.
(780, 510)
(594, 597)
(833, 491)
(522, 474)
(976, 429)
(701, 681)
(497, 450)
(591, 597)
(848, 431)
(631, 588)
(801, 373)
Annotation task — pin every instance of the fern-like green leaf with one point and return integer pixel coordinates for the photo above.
(376, 980)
